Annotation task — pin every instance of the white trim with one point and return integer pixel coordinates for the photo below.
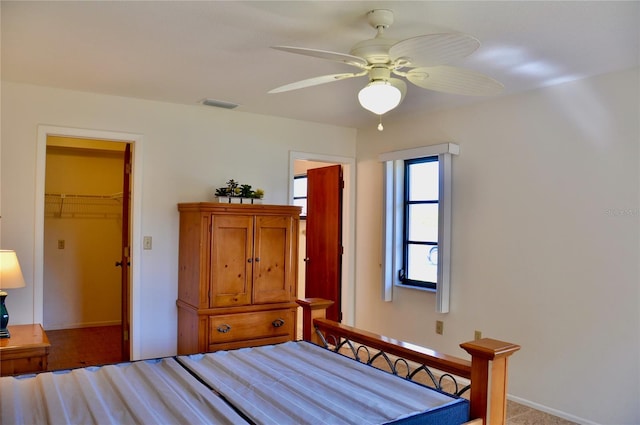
(348, 223)
(432, 150)
(387, 231)
(392, 216)
(136, 219)
(444, 234)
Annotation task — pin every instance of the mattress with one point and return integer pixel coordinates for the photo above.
(289, 383)
(301, 383)
(144, 392)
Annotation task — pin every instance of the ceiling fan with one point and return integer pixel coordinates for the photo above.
(421, 60)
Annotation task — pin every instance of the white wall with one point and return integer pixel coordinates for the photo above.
(188, 152)
(545, 243)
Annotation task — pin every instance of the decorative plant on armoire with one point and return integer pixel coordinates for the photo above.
(237, 193)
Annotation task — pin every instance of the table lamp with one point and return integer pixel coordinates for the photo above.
(10, 277)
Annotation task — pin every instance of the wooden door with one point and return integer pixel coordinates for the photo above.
(231, 260)
(323, 276)
(273, 267)
(125, 260)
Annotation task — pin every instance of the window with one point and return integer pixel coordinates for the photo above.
(420, 224)
(300, 194)
(417, 221)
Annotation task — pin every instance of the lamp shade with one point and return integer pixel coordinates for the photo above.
(379, 97)
(10, 273)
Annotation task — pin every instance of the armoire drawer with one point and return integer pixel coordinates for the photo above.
(243, 326)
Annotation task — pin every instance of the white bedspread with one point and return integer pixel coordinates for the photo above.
(145, 392)
(300, 383)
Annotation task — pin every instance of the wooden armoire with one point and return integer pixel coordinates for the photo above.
(237, 275)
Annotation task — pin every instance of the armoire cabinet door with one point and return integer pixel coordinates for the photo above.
(273, 266)
(231, 260)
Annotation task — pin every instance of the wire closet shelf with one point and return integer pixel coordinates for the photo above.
(63, 205)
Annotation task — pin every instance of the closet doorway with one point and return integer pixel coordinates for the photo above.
(86, 250)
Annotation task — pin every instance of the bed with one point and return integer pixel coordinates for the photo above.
(334, 376)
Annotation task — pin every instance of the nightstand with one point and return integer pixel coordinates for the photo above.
(25, 352)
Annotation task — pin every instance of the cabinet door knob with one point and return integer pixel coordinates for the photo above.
(257, 259)
(224, 328)
(250, 260)
(277, 323)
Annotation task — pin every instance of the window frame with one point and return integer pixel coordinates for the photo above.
(393, 220)
(406, 202)
(303, 213)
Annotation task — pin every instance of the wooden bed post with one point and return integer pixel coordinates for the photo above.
(489, 387)
(312, 308)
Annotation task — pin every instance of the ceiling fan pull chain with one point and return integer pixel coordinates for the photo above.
(380, 127)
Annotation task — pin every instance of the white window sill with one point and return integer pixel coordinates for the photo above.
(418, 288)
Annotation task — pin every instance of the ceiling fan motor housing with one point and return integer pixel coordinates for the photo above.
(376, 50)
(379, 73)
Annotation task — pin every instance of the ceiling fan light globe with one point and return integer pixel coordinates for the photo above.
(379, 97)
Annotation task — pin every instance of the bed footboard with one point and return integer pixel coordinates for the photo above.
(487, 370)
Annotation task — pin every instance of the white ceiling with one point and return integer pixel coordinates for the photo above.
(182, 52)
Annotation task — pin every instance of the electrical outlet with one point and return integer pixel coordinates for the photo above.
(146, 242)
(60, 243)
(439, 327)
(477, 335)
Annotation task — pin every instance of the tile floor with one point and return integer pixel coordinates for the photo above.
(72, 348)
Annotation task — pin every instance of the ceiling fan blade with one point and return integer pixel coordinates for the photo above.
(432, 49)
(316, 81)
(449, 79)
(325, 54)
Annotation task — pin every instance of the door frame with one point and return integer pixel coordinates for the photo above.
(348, 223)
(136, 218)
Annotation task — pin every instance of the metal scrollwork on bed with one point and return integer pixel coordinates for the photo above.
(399, 366)
(486, 372)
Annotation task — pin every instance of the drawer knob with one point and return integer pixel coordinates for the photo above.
(224, 328)
(277, 323)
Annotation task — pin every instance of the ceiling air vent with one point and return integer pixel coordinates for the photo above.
(219, 103)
